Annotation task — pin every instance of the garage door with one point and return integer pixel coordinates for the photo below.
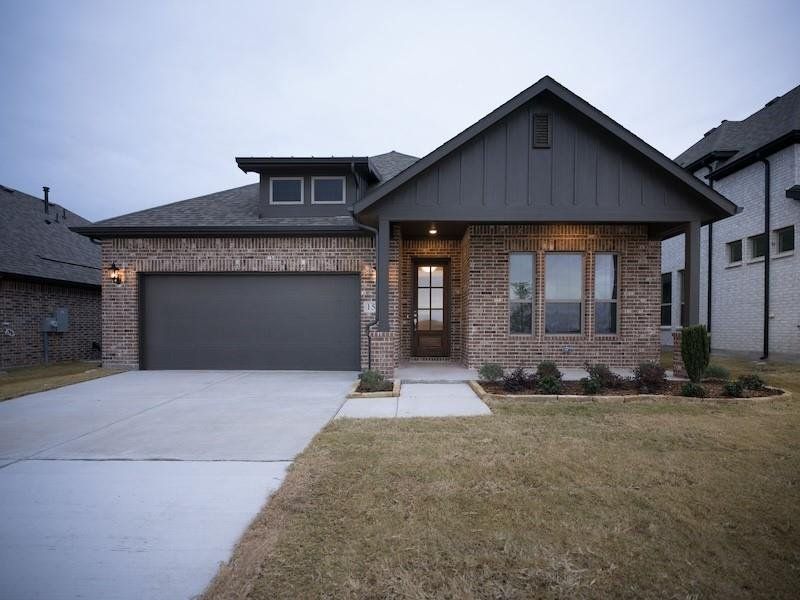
(250, 321)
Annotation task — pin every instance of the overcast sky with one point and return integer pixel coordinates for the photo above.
(120, 106)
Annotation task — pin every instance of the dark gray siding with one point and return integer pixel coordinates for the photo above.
(352, 193)
(250, 321)
(587, 175)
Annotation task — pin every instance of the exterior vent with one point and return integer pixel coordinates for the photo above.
(542, 130)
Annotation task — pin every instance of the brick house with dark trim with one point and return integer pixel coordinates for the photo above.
(533, 234)
(44, 266)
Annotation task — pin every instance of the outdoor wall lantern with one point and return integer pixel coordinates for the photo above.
(116, 274)
(433, 230)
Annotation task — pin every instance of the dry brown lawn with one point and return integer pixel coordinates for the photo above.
(27, 380)
(638, 500)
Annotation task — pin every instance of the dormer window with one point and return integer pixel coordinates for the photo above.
(327, 190)
(285, 190)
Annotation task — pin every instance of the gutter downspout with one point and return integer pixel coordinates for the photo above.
(710, 261)
(766, 255)
(376, 320)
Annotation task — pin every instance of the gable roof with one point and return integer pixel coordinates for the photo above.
(390, 164)
(548, 84)
(40, 245)
(736, 143)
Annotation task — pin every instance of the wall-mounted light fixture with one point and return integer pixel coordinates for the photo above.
(433, 230)
(116, 274)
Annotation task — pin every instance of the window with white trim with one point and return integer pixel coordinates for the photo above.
(606, 282)
(785, 239)
(285, 190)
(563, 293)
(735, 251)
(327, 190)
(758, 246)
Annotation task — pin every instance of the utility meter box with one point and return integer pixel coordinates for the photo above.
(58, 322)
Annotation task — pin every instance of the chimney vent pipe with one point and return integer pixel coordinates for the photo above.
(46, 200)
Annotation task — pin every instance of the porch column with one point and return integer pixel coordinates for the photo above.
(692, 267)
(382, 275)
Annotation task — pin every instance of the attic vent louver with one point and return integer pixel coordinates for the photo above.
(542, 130)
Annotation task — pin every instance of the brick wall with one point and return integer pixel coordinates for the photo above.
(23, 304)
(488, 338)
(264, 254)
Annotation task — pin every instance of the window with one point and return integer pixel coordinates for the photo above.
(758, 246)
(521, 286)
(666, 299)
(785, 239)
(605, 293)
(563, 292)
(684, 316)
(735, 251)
(286, 190)
(327, 190)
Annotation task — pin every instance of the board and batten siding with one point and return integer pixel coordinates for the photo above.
(586, 175)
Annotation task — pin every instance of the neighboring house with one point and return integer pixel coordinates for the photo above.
(533, 234)
(752, 263)
(45, 267)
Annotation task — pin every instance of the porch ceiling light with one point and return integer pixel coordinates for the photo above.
(116, 274)
(433, 230)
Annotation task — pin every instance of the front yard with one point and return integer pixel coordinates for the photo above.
(28, 380)
(669, 500)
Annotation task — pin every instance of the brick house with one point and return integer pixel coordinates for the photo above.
(748, 260)
(535, 233)
(45, 267)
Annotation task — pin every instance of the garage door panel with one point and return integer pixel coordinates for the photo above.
(263, 321)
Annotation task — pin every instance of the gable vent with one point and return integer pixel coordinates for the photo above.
(542, 130)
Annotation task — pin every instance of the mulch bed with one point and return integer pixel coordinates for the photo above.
(672, 388)
(386, 387)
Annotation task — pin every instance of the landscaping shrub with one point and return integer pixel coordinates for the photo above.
(547, 368)
(693, 390)
(603, 375)
(717, 372)
(752, 382)
(649, 377)
(695, 351)
(590, 386)
(517, 381)
(373, 381)
(490, 372)
(549, 384)
(733, 389)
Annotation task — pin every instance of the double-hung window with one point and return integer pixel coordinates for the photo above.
(666, 299)
(606, 291)
(563, 293)
(521, 290)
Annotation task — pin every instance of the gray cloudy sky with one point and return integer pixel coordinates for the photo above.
(120, 106)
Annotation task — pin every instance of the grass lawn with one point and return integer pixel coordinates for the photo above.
(27, 380)
(670, 500)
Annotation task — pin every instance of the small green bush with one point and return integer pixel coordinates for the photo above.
(490, 372)
(649, 377)
(547, 368)
(549, 384)
(603, 375)
(693, 390)
(517, 381)
(695, 351)
(733, 389)
(373, 381)
(590, 386)
(717, 372)
(752, 382)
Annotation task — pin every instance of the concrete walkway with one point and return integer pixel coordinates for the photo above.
(418, 400)
(138, 485)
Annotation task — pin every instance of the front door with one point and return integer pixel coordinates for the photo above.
(431, 331)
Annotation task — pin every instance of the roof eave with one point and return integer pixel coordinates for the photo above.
(792, 137)
(123, 232)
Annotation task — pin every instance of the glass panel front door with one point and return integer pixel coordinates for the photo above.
(430, 321)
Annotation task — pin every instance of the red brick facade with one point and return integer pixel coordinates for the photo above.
(23, 304)
(479, 284)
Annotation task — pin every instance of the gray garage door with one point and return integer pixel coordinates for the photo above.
(250, 321)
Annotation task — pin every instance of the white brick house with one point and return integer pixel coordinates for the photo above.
(733, 154)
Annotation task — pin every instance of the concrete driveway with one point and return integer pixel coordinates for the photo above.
(138, 485)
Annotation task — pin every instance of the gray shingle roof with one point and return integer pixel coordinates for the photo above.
(390, 164)
(35, 244)
(775, 120)
(238, 208)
